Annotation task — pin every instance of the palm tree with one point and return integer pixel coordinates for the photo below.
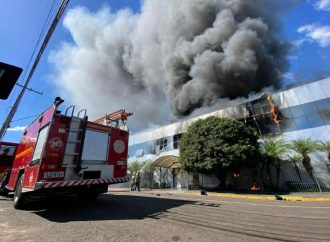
(273, 149)
(304, 147)
(325, 147)
(135, 166)
(294, 159)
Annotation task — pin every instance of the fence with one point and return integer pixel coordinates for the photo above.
(292, 178)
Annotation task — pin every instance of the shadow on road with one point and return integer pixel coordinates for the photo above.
(106, 207)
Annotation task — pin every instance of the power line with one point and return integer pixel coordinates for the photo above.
(42, 48)
(20, 119)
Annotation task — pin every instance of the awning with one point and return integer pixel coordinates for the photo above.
(167, 161)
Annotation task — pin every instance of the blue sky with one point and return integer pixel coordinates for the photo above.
(306, 26)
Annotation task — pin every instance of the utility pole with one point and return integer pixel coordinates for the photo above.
(41, 51)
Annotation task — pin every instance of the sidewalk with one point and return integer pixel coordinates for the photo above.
(292, 197)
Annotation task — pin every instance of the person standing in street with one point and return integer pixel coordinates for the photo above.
(133, 187)
(137, 181)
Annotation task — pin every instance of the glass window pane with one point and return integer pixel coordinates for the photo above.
(326, 117)
(323, 105)
(291, 98)
(301, 123)
(297, 111)
(40, 143)
(7, 150)
(316, 91)
(287, 125)
(267, 125)
(326, 86)
(279, 99)
(285, 113)
(303, 94)
(309, 108)
(95, 146)
(315, 120)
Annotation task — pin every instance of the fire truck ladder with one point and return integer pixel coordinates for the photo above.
(115, 117)
(76, 136)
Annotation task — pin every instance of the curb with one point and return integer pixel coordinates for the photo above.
(250, 197)
(306, 199)
(254, 197)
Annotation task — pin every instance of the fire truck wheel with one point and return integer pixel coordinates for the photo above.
(19, 197)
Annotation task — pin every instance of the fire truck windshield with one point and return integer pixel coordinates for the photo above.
(7, 150)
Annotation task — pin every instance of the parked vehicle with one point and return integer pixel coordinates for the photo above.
(7, 155)
(66, 153)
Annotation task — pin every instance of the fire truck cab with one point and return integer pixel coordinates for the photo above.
(66, 153)
(7, 155)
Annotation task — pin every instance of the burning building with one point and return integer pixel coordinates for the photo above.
(300, 112)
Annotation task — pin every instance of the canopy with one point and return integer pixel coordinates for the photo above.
(167, 161)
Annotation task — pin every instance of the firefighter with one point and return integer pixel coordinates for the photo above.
(133, 182)
(137, 181)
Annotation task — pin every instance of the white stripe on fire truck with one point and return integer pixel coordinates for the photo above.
(83, 182)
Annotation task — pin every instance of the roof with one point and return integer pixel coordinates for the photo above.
(168, 161)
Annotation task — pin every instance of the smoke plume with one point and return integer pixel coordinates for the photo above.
(171, 58)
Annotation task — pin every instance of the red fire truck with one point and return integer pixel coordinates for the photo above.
(66, 153)
(7, 155)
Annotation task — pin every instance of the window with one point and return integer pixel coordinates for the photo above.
(139, 153)
(315, 120)
(309, 108)
(95, 146)
(40, 143)
(7, 150)
(161, 144)
(136, 150)
(326, 117)
(176, 141)
(297, 111)
(323, 105)
(6, 155)
(285, 113)
(267, 125)
(287, 125)
(302, 123)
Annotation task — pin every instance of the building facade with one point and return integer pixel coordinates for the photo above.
(298, 113)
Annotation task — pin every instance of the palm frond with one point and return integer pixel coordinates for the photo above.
(304, 146)
(324, 146)
(274, 148)
(295, 158)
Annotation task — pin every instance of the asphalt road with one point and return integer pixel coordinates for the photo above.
(125, 216)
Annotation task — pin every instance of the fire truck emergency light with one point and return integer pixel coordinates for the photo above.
(8, 77)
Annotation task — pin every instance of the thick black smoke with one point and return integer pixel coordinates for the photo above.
(175, 55)
(231, 51)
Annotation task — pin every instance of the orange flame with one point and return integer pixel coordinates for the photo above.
(273, 110)
(255, 188)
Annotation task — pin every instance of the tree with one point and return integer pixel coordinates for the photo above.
(135, 166)
(325, 147)
(273, 150)
(304, 147)
(218, 145)
(294, 159)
